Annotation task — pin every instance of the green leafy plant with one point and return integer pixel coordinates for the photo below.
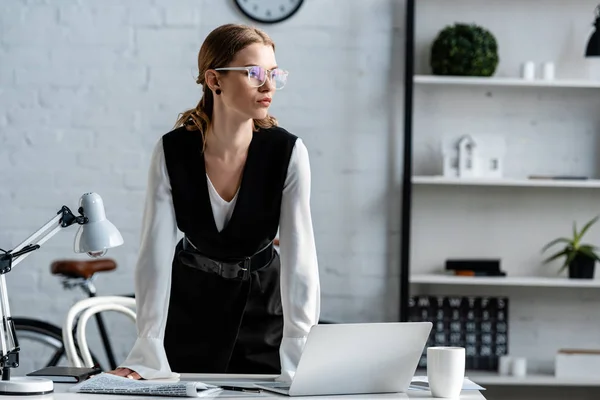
(464, 50)
(573, 247)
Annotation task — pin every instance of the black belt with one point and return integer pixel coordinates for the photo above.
(230, 269)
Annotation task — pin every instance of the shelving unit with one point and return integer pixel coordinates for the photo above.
(511, 82)
(523, 281)
(494, 379)
(550, 183)
(442, 205)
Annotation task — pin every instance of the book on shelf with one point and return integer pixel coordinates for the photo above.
(475, 267)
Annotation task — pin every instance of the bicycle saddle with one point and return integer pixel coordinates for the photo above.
(81, 268)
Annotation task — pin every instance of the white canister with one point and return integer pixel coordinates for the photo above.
(504, 365)
(519, 367)
(528, 70)
(548, 71)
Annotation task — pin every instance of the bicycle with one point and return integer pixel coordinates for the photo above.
(73, 274)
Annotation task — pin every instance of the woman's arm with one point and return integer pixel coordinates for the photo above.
(300, 284)
(153, 274)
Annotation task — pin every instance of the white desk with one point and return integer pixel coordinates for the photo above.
(61, 391)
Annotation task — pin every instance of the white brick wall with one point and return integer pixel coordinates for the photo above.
(88, 86)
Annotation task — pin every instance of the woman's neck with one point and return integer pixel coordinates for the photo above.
(228, 137)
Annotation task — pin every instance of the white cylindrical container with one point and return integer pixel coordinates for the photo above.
(528, 71)
(504, 365)
(519, 367)
(548, 71)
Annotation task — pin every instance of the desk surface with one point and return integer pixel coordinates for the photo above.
(61, 391)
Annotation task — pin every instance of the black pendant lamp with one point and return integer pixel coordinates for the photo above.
(593, 46)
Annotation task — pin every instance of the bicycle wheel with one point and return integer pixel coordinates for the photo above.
(41, 345)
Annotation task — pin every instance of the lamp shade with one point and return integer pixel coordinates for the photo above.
(593, 46)
(98, 234)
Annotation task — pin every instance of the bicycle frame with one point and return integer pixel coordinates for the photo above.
(90, 289)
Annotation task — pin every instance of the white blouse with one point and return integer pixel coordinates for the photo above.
(300, 285)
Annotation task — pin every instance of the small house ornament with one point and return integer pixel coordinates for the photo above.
(467, 157)
(473, 156)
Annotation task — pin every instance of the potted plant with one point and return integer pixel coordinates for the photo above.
(464, 50)
(579, 257)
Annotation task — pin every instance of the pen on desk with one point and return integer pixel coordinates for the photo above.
(241, 389)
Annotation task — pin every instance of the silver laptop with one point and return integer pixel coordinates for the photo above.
(356, 359)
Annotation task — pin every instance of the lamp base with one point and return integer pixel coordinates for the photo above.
(21, 385)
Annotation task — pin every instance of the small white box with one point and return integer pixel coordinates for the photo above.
(577, 364)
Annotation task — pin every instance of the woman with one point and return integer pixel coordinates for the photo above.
(228, 178)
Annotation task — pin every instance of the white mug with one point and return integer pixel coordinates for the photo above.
(445, 371)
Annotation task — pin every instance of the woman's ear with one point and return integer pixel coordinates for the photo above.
(212, 79)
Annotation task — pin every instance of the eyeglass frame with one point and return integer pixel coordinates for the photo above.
(247, 69)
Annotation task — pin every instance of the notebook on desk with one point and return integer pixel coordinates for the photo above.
(65, 374)
(356, 359)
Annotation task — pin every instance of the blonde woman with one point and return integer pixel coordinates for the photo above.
(222, 300)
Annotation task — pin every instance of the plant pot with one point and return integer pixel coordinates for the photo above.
(582, 267)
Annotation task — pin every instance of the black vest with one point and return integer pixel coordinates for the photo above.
(255, 218)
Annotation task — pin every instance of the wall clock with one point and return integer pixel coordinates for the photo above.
(269, 11)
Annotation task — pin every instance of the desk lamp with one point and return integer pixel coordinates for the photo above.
(94, 237)
(593, 46)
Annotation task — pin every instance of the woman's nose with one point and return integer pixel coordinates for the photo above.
(268, 85)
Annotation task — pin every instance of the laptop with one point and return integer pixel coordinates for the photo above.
(356, 358)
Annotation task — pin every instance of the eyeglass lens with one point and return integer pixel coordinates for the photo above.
(258, 76)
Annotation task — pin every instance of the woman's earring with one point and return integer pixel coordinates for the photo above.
(218, 91)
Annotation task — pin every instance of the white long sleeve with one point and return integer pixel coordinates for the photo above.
(300, 287)
(300, 284)
(153, 273)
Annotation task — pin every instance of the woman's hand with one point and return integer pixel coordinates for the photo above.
(126, 372)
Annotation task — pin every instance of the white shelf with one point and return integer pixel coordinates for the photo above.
(500, 81)
(530, 281)
(483, 379)
(568, 183)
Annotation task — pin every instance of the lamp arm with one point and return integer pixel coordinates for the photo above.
(9, 351)
(63, 219)
(23, 250)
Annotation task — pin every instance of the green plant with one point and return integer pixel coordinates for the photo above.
(573, 247)
(464, 50)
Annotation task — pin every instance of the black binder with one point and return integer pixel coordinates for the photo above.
(65, 374)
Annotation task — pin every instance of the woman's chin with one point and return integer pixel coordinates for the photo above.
(260, 114)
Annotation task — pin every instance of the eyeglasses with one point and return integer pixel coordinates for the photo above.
(257, 76)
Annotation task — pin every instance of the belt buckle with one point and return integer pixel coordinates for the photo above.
(219, 266)
(246, 268)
